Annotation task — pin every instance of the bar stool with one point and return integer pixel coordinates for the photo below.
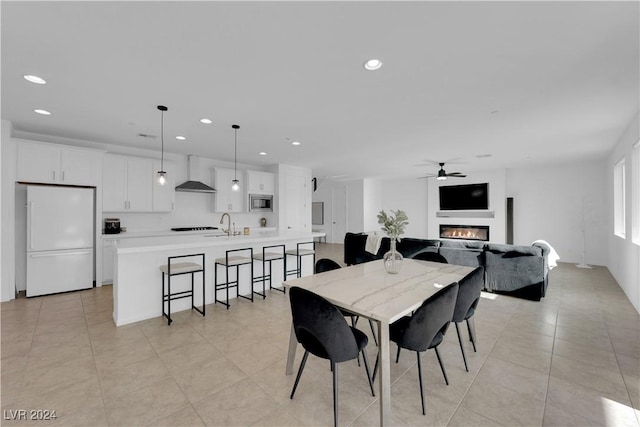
(175, 269)
(299, 252)
(268, 257)
(232, 260)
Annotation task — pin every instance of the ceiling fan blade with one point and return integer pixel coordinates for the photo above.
(456, 175)
(426, 176)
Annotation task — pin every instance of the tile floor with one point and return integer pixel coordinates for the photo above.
(571, 359)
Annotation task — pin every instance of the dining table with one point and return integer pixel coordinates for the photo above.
(369, 291)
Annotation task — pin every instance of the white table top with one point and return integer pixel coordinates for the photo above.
(367, 289)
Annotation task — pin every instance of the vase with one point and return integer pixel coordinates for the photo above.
(393, 259)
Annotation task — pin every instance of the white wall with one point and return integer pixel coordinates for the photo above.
(624, 255)
(7, 206)
(355, 205)
(372, 204)
(409, 195)
(549, 204)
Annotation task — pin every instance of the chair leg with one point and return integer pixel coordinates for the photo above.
(295, 385)
(461, 347)
(424, 412)
(375, 368)
(471, 327)
(373, 332)
(398, 355)
(335, 393)
(441, 366)
(366, 368)
(354, 321)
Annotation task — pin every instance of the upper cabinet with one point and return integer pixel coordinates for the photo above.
(57, 164)
(129, 185)
(259, 182)
(225, 199)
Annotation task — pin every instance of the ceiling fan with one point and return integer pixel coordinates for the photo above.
(442, 174)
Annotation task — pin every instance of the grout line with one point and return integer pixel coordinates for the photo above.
(546, 395)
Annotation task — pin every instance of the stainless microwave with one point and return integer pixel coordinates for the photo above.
(260, 203)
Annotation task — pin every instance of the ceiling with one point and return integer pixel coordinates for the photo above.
(528, 83)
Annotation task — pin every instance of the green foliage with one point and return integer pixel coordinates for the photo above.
(393, 224)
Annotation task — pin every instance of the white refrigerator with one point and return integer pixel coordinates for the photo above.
(60, 239)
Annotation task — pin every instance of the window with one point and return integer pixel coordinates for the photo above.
(619, 199)
(635, 193)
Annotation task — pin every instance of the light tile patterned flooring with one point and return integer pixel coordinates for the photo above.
(571, 359)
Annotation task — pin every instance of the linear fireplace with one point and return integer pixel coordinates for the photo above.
(465, 232)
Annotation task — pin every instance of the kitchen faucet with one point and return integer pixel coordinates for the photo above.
(228, 230)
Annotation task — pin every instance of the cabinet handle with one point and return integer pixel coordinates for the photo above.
(43, 255)
(63, 175)
(54, 175)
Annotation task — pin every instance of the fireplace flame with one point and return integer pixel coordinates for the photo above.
(461, 232)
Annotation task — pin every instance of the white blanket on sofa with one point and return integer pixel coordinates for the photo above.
(553, 257)
(373, 243)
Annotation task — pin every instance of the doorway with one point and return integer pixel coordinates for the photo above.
(338, 214)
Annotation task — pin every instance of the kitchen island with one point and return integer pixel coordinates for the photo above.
(137, 282)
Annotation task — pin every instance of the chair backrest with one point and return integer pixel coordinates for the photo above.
(320, 327)
(433, 316)
(430, 256)
(468, 294)
(326, 264)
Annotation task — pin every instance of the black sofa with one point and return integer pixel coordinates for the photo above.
(520, 271)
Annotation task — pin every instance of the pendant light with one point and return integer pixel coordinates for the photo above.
(161, 174)
(235, 186)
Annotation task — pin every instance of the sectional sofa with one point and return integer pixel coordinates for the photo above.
(520, 271)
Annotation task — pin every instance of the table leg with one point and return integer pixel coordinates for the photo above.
(385, 374)
(291, 355)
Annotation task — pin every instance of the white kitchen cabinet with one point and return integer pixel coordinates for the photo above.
(56, 164)
(225, 199)
(163, 199)
(127, 184)
(259, 182)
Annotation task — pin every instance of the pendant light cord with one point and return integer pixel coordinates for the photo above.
(235, 155)
(162, 139)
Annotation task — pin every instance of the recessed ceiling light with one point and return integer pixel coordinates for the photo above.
(35, 79)
(43, 112)
(206, 121)
(372, 65)
(181, 138)
(262, 153)
(295, 143)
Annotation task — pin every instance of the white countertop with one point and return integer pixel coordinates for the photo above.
(164, 233)
(181, 240)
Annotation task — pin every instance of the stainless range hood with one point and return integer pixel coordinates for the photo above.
(193, 184)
